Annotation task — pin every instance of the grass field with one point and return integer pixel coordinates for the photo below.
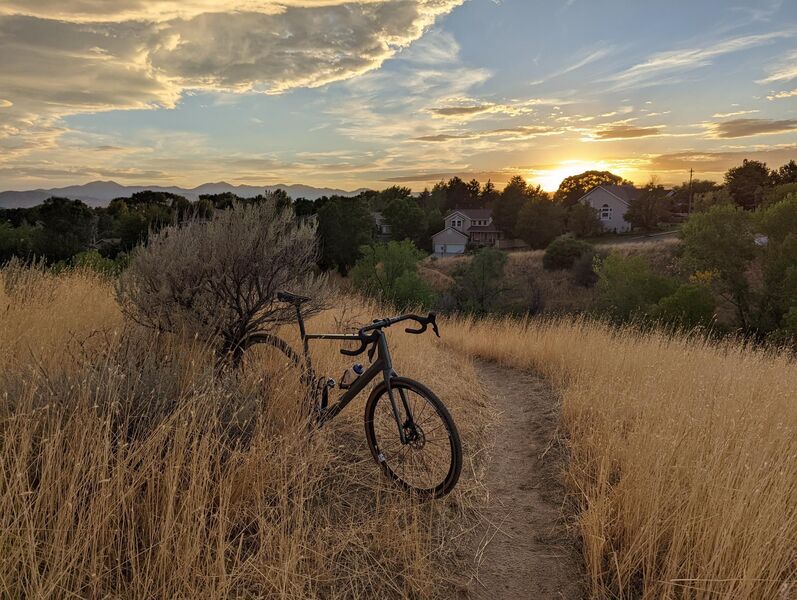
(683, 455)
(128, 470)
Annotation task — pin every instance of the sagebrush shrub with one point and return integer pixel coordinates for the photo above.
(563, 252)
(218, 279)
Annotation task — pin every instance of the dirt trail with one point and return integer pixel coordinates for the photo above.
(523, 550)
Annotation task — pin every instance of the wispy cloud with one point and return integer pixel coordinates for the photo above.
(664, 65)
(734, 114)
(785, 70)
(783, 95)
(738, 128)
(624, 132)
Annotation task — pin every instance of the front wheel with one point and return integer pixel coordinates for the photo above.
(430, 461)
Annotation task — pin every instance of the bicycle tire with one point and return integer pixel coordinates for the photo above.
(389, 457)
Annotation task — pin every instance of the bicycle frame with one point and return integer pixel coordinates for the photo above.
(383, 364)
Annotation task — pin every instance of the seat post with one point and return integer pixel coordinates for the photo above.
(302, 331)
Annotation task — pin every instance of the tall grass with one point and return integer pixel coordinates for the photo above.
(683, 454)
(129, 468)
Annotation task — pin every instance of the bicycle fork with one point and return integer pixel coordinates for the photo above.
(389, 373)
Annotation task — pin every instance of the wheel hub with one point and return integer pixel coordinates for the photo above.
(415, 436)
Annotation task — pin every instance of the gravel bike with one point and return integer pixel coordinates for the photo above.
(409, 431)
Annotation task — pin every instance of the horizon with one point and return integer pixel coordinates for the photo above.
(374, 93)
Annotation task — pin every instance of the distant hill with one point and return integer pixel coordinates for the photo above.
(100, 193)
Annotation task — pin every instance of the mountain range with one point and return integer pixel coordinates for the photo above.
(100, 193)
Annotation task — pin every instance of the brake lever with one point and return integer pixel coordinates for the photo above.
(433, 321)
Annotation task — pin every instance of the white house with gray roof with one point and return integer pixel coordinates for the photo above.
(465, 226)
(611, 202)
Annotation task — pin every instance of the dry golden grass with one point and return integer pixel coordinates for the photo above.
(683, 455)
(128, 469)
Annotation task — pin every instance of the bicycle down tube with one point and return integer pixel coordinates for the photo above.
(383, 364)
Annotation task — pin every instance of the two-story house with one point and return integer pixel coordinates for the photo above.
(611, 202)
(465, 226)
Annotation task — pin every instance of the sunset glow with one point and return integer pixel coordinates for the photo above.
(371, 93)
(550, 179)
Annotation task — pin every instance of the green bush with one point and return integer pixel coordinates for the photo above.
(563, 252)
(584, 269)
(688, 307)
(91, 259)
(389, 272)
(628, 288)
(480, 285)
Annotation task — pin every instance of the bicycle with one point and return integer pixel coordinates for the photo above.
(422, 456)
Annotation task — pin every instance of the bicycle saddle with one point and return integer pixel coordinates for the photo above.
(292, 298)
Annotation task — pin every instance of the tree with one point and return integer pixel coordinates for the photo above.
(574, 187)
(406, 219)
(705, 200)
(648, 209)
(779, 193)
(459, 194)
(345, 225)
(690, 306)
(540, 222)
(489, 195)
(627, 288)
(681, 201)
(582, 220)
(779, 223)
(389, 273)
(720, 241)
(480, 284)
(218, 280)
(747, 183)
(67, 228)
(786, 174)
(563, 252)
(507, 207)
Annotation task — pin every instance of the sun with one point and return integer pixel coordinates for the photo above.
(549, 179)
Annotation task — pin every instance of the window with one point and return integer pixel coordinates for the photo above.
(606, 213)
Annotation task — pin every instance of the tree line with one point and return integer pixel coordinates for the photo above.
(68, 231)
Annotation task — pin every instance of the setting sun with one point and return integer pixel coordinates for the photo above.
(550, 179)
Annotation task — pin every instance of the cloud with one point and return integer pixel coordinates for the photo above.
(455, 111)
(785, 70)
(466, 174)
(465, 108)
(623, 132)
(442, 137)
(738, 128)
(718, 162)
(522, 132)
(139, 54)
(660, 67)
(734, 114)
(782, 95)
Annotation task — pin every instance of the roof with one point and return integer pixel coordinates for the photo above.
(450, 229)
(473, 213)
(484, 229)
(626, 193)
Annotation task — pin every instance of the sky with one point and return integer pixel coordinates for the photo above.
(372, 93)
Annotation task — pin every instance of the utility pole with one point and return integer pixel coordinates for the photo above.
(691, 172)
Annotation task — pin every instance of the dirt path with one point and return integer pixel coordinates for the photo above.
(523, 550)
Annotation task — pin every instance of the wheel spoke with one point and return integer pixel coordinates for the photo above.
(425, 461)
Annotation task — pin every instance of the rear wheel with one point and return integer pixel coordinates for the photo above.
(429, 463)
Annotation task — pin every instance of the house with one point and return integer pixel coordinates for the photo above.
(466, 226)
(611, 202)
(382, 227)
